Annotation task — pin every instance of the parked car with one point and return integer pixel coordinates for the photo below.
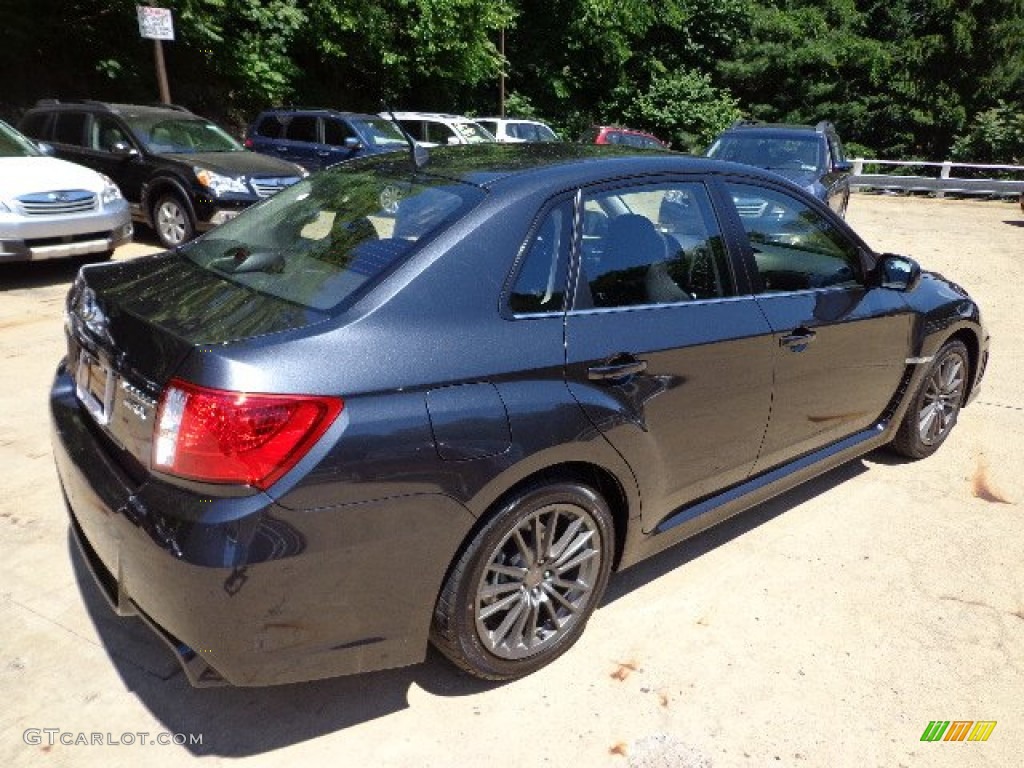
(811, 156)
(51, 209)
(517, 129)
(611, 134)
(433, 129)
(317, 138)
(317, 436)
(180, 173)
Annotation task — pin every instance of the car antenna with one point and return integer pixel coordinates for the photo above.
(417, 152)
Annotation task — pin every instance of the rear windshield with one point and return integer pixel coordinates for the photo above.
(326, 240)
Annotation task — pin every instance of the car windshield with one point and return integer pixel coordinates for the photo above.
(326, 240)
(381, 133)
(13, 144)
(164, 136)
(776, 153)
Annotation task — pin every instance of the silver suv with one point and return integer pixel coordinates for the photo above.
(51, 208)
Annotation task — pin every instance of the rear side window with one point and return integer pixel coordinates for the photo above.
(327, 239)
(540, 283)
(655, 244)
(795, 247)
(70, 128)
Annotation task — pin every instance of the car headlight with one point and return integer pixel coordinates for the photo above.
(219, 184)
(110, 192)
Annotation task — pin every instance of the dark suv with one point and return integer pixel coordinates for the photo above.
(179, 172)
(317, 138)
(808, 155)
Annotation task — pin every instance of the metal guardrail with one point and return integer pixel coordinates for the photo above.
(945, 183)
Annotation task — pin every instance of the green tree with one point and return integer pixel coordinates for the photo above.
(685, 108)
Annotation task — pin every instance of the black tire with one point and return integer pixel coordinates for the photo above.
(172, 221)
(936, 404)
(500, 616)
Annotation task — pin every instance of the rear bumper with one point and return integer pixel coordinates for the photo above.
(243, 590)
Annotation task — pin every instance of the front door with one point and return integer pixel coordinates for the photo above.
(841, 346)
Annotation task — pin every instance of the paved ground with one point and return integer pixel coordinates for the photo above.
(826, 628)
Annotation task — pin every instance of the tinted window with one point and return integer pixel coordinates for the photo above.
(70, 128)
(414, 128)
(795, 246)
(35, 125)
(655, 244)
(325, 239)
(105, 134)
(439, 133)
(302, 128)
(492, 126)
(540, 282)
(270, 126)
(336, 131)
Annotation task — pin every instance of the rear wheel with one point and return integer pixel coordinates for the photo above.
(521, 593)
(172, 221)
(936, 404)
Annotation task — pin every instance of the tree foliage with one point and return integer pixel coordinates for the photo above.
(900, 77)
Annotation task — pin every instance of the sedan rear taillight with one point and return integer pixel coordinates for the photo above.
(235, 437)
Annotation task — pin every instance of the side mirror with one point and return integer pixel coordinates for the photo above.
(844, 167)
(353, 144)
(124, 149)
(897, 273)
(45, 149)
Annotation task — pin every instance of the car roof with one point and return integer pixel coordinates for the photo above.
(777, 129)
(429, 116)
(50, 105)
(317, 111)
(496, 165)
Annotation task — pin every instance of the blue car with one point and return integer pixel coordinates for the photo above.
(317, 138)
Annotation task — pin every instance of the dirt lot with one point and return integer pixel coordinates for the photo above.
(826, 628)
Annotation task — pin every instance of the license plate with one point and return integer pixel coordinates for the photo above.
(94, 387)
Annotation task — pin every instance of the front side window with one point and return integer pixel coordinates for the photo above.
(655, 244)
(105, 134)
(322, 241)
(540, 282)
(336, 132)
(795, 246)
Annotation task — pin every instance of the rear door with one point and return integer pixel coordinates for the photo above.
(667, 353)
(841, 346)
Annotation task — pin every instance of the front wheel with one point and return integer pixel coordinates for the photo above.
(520, 594)
(936, 405)
(172, 221)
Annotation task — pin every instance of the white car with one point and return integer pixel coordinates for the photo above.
(434, 128)
(514, 130)
(52, 209)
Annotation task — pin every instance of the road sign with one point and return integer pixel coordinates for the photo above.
(155, 23)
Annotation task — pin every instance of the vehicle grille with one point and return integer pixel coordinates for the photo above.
(58, 202)
(268, 187)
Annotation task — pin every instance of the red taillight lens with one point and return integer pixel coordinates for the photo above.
(235, 437)
(248, 143)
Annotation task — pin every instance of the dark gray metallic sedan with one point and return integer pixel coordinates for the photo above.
(394, 404)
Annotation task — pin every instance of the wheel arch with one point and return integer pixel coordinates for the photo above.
(970, 340)
(160, 185)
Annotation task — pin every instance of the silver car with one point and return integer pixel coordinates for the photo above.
(52, 209)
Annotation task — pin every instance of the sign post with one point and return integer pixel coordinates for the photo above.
(156, 24)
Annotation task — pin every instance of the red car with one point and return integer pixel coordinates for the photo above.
(608, 134)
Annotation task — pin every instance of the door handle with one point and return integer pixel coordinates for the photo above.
(281, 149)
(618, 368)
(323, 152)
(798, 340)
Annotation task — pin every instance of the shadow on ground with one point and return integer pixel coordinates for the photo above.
(238, 722)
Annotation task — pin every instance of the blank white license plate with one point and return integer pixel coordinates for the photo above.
(94, 385)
